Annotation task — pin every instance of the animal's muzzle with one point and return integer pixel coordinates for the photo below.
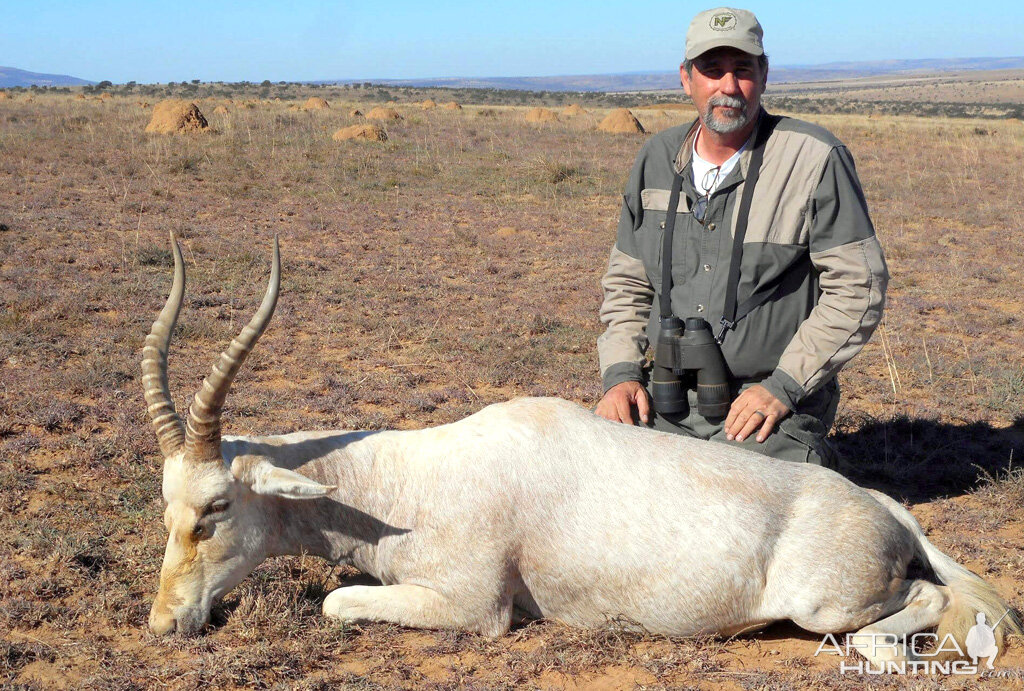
(165, 620)
(162, 621)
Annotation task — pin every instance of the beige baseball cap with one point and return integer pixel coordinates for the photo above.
(727, 27)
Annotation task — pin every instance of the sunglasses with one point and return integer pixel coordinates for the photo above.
(700, 207)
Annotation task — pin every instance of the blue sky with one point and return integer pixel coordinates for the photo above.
(303, 39)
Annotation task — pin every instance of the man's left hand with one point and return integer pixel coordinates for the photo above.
(754, 410)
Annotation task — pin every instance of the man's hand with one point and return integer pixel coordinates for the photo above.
(753, 410)
(617, 403)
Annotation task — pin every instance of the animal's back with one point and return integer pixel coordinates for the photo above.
(611, 519)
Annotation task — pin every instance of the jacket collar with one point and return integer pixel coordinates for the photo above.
(763, 121)
(685, 153)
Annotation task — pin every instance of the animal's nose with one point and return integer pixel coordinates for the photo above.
(161, 621)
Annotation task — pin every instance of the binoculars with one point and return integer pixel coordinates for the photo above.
(687, 349)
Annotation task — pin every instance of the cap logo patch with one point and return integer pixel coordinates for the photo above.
(723, 21)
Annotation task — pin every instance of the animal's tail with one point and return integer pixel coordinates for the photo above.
(970, 593)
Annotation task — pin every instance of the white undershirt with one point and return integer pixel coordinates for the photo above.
(702, 168)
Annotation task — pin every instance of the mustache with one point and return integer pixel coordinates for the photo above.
(728, 102)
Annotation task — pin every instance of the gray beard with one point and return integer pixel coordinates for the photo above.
(726, 125)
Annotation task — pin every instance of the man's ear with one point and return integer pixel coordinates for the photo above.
(684, 80)
(268, 479)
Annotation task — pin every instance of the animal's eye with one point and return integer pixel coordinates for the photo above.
(198, 531)
(219, 506)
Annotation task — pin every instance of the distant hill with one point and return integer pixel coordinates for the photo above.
(669, 79)
(11, 76)
(633, 81)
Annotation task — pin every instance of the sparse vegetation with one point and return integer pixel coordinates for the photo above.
(455, 265)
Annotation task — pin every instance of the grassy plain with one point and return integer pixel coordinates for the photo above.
(972, 87)
(453, 266)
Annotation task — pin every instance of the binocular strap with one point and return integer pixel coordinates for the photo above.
(666, 249)
(731, 315)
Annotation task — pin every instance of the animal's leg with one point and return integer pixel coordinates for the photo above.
(882, 641)
(415, 606)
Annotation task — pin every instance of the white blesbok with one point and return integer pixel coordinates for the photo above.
(536, 504)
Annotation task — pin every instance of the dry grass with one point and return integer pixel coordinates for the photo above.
(453, 266)
(996, 92)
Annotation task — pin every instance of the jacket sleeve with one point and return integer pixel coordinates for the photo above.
(852, 278)
(628, 296)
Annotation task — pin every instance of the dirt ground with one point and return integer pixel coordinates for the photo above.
(454, 266)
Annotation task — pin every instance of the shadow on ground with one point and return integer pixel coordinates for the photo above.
(920, 460)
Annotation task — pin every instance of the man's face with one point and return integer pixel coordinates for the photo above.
(726, 86)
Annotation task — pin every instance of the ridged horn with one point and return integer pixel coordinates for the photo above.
(202, 430)
(170, 433)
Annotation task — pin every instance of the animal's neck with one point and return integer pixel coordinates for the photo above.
(347, 526)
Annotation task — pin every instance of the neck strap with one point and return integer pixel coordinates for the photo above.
(729, 318)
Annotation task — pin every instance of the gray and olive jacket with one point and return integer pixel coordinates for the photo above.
(808, 230)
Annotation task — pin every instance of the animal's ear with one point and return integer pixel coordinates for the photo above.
(281, 482)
